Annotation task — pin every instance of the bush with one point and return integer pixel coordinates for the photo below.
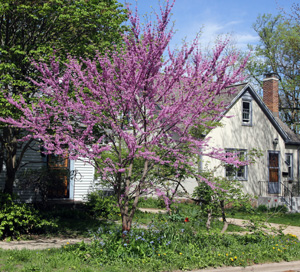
(279, 208)
(100, 205)
(150, 202)
(17, 219)
(262, 208)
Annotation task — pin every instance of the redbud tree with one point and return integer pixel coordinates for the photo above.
(135, 107)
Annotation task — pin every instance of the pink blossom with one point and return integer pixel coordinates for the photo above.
(143, 99)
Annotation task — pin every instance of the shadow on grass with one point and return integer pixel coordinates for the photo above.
(71, 223)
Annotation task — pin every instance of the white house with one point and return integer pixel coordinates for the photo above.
(255, 124)
(75, 188)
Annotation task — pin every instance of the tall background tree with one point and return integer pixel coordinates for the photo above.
(33, 30)
(136, 106)
(279, 51)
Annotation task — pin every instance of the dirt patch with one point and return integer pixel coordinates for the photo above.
(41, 243)
(152, 210)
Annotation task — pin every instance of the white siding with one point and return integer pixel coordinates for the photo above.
(84, 181)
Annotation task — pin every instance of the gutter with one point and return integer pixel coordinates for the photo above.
(298, 172)
(292, 143)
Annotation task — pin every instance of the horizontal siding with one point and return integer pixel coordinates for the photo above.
(82, 185)
(32, 159)
(84, 181)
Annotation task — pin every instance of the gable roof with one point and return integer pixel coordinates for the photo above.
(285, 132)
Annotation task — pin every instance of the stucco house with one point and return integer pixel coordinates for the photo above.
(255, 125)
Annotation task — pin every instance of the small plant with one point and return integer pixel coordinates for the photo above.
(262, 208)
(100, 205)
(280, 209)
(213, 201)
(17, 219)
(177, 217)
(150, 202)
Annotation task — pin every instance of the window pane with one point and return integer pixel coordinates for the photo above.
(289, 163)
(273, 160)
(230, 171)
(288, 160)
(237, 172)
(246, 112)
(241, 172)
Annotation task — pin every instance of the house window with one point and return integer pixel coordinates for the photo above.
(289, 164)
(246, 114)
(233, 172)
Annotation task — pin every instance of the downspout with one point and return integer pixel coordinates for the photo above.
(298, 181)
(200, 164)
(72, 180)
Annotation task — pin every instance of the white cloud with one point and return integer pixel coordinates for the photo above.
(210, 31)
(243, 39)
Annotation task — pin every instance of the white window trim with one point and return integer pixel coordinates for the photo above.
(250, 112)
(245, 178)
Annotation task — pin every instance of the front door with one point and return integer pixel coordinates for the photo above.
(58, 166)
(273, 165)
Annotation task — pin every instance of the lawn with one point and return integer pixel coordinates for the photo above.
(270, 216)
(157, 242)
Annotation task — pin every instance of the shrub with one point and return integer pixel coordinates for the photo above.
(150, 202)
(262, 208)
(100, 205)
(20, 218)
(279, 208)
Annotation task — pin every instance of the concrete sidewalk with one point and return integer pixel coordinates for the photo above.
(40, 244)
(285, 228)
(270, 267)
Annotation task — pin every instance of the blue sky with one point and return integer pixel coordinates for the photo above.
(216, 17)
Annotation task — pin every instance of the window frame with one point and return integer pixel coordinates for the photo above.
(236, 169)
(291, 166)
(244, 122)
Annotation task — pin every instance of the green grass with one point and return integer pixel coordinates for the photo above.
(147, 218)
(43, 260)
(167, 244)
(292, 219)
(70, 223)
(165, 247)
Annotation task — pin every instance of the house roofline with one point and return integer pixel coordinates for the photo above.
(292, 143)
(265, 109)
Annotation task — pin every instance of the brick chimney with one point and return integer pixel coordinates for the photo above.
(270, 89)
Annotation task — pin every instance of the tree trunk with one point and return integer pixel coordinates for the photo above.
(10, 177)
(225, 226)
(209, 217)
(10, 140)
(126, 223)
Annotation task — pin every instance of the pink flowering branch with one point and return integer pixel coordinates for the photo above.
(137, 104)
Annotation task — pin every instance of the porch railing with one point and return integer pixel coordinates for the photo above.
(287, 191)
